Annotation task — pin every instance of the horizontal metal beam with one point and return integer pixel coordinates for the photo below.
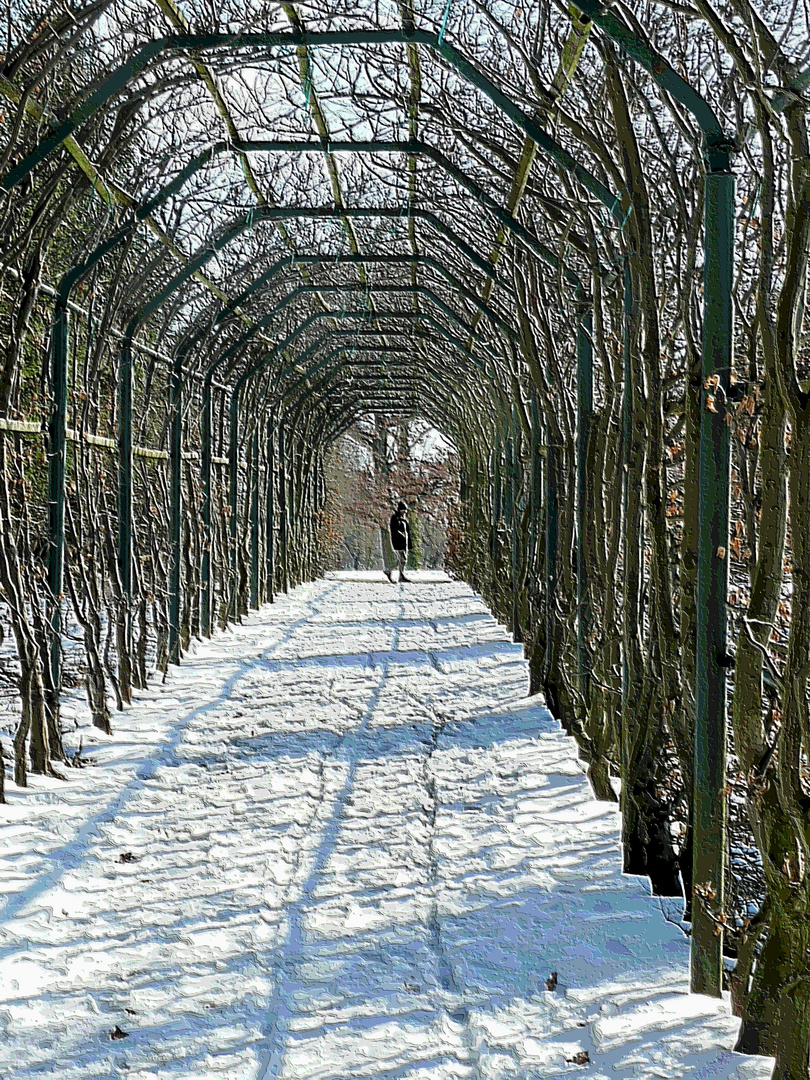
(150, 52)
(418, 147)
(295, 260)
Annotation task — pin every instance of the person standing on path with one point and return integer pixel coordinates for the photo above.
(400, 541)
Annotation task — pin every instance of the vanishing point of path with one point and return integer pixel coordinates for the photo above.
(340, 842)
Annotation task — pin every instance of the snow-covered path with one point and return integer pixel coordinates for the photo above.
(340, 843)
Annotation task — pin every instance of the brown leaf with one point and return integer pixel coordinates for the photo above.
(582, 1058)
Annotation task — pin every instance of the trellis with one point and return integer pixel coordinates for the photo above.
(300, 379)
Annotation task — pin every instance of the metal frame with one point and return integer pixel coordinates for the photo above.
(710, 719)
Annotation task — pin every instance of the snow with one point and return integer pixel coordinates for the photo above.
(340, 842)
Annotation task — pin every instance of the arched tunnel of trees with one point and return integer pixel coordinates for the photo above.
(572, 237)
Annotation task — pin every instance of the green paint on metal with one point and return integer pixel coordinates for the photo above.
(233, 474)
(176, 503)
(283, 507)
(657, 65)
(371, 260)
(709, 798)
(417, 147)
(535, 503)
(552, 540)
(125, 381)
(270, 514)
(57, 465)
(205, 42)
(254, 518)
(497, 508)
(514, 482)
(206, 464)
(584, 417)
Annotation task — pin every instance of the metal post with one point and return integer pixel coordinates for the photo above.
(310, 519)
(535, 499)
(496, 493)
(506, 484)
(57, 465)
(208, 539)
(125, 380)
(254, 518)
(584, 415)
(321, 482)
(176, 500)
(513, 483)
(552, 534)
(282, 507)
(312, 515)
(709, 799)
(628, 616)
(308, 515)
(233, 470)
(271, 500)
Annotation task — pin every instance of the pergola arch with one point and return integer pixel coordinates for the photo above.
(268, 336)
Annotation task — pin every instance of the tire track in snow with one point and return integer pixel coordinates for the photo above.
(449, 1001)
(279, 1008)
(459, 1013)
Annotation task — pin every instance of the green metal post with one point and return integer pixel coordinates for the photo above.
(497, 508)
(552, 535)
(233, 471)
(709, 799)
(507, 486)
(282, 507)
(312, 511)
(317, 506)
(57, 466)
(517, 633)
(536, 501)
(322, 485)
(629, 616)
(207, 514)
(254, 518)
(271, 506)
(306, 518)
(584, 415)
(125, 387)
(176, 504)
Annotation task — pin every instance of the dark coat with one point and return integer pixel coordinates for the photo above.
(400, 533)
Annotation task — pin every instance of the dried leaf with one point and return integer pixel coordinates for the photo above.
(582, 1058)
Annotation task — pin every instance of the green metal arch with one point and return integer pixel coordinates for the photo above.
(206, 42)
